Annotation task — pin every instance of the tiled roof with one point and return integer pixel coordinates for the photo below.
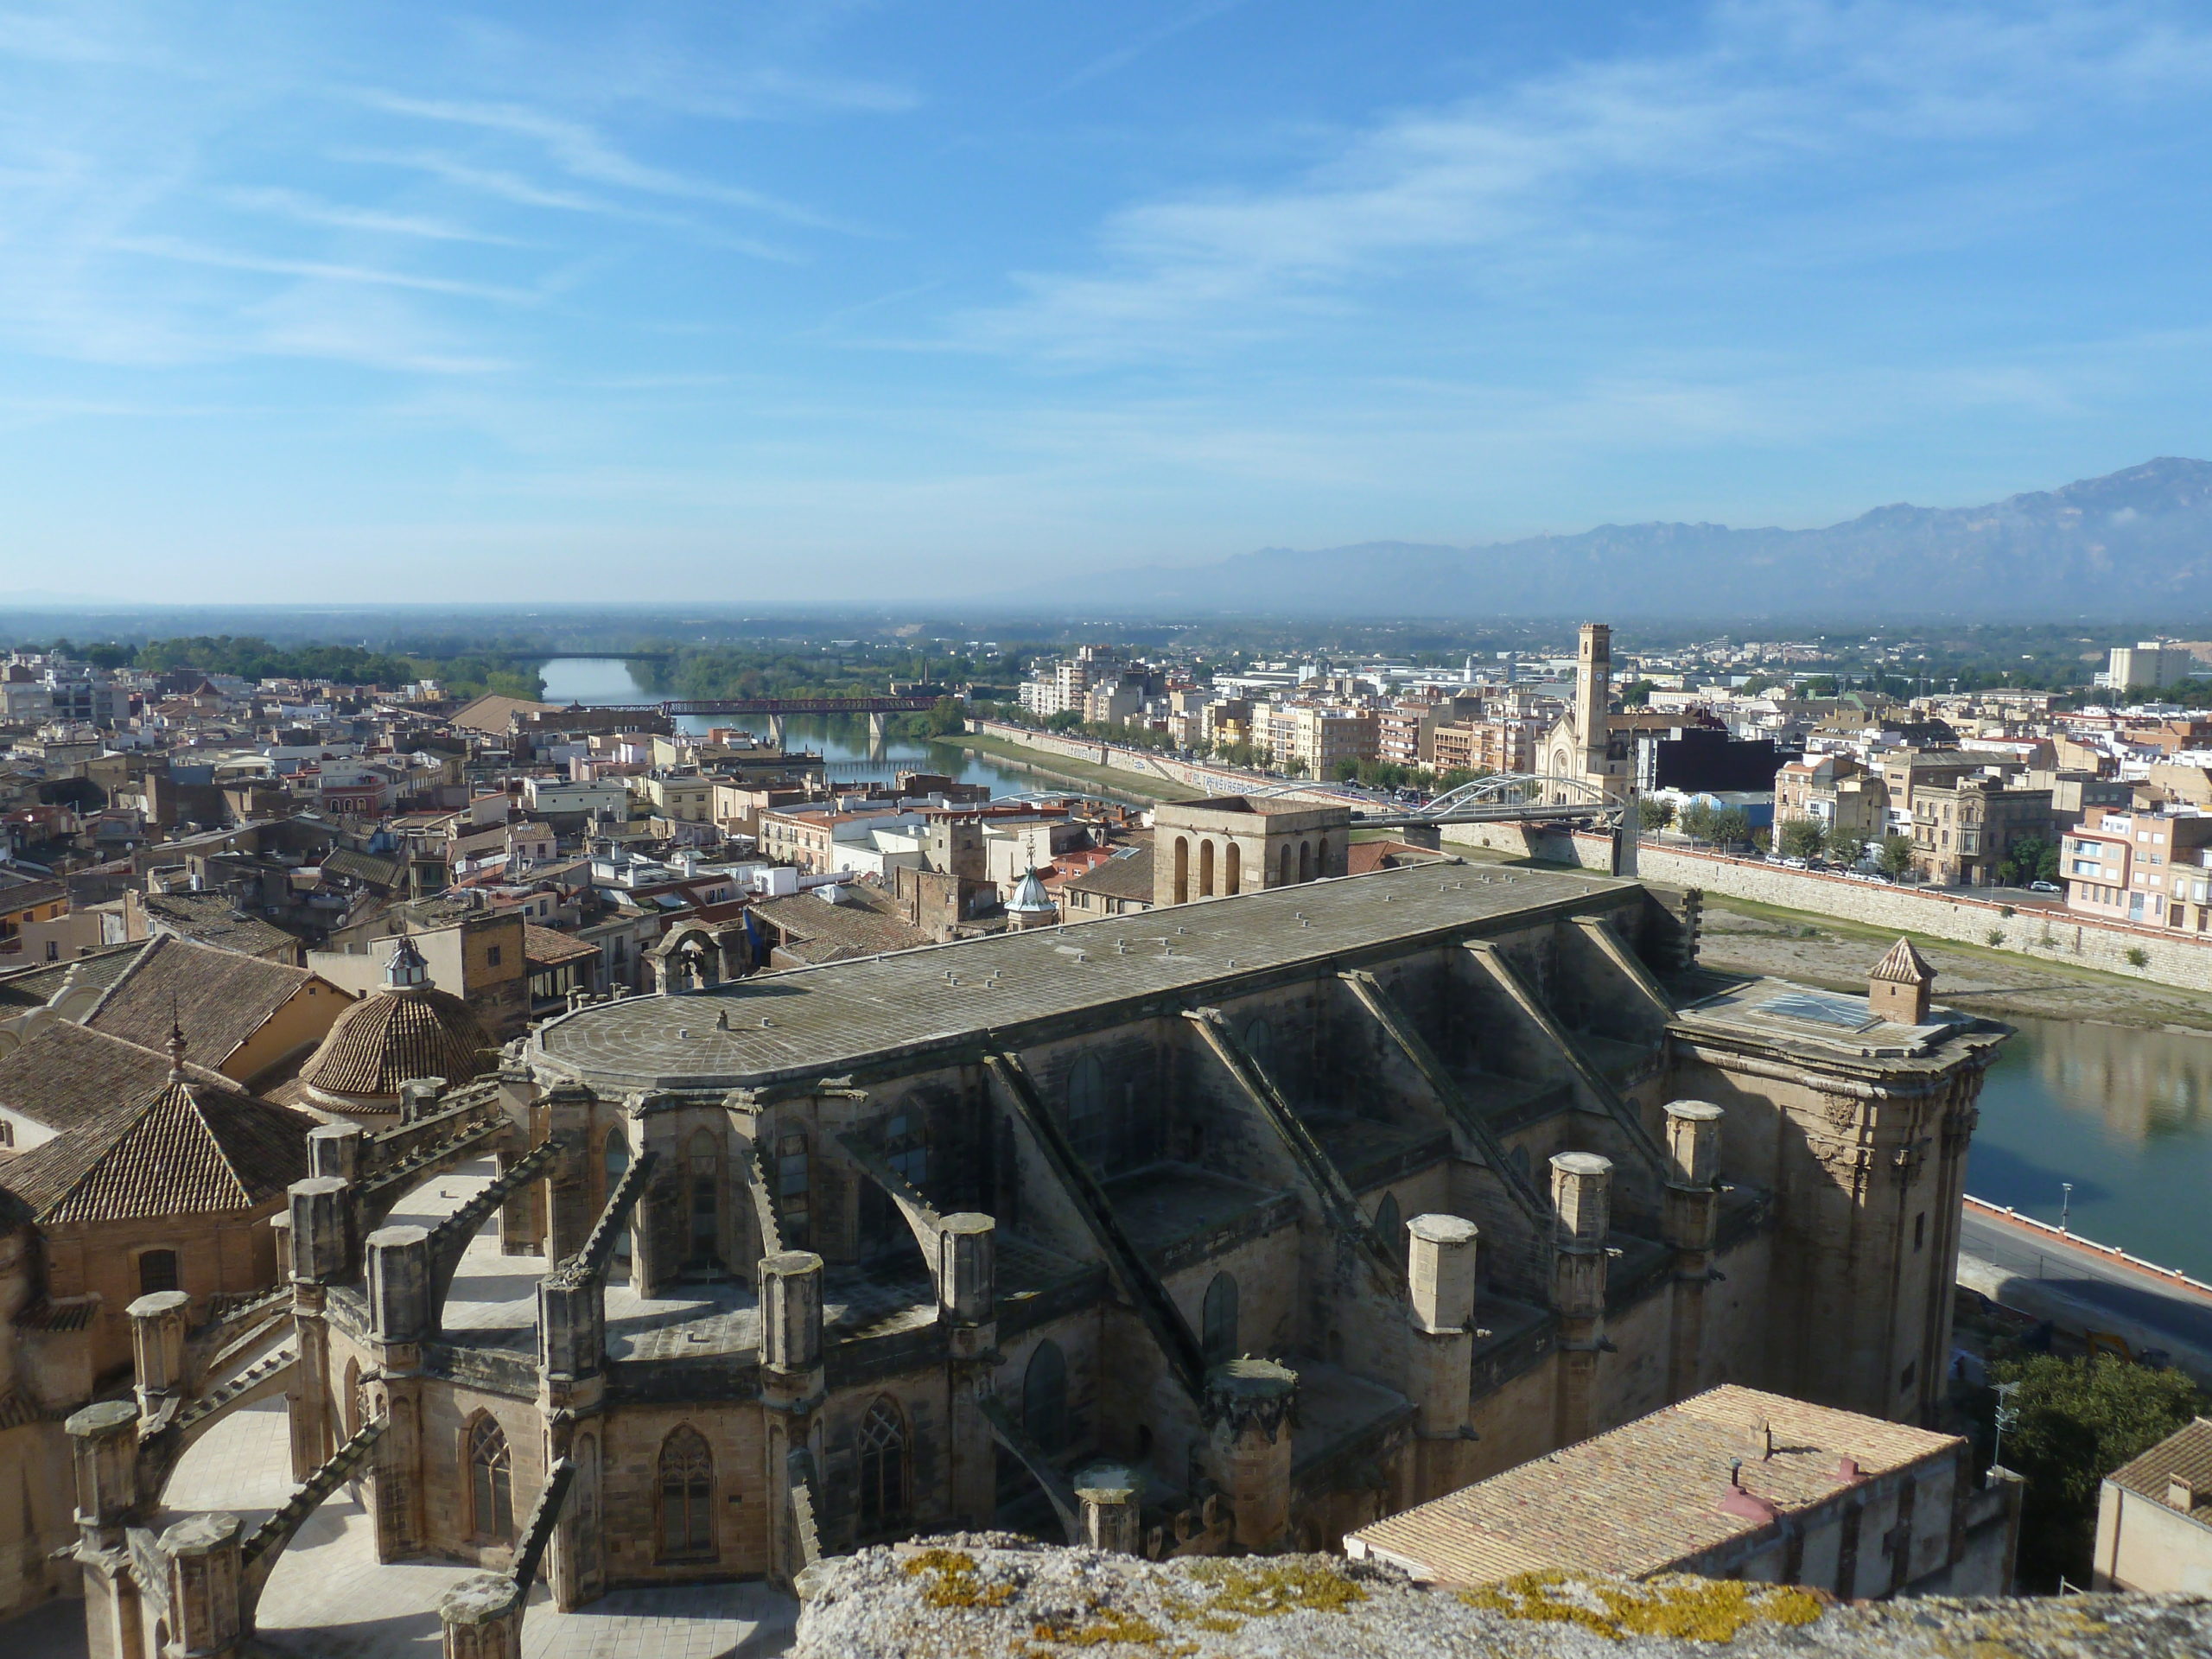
(546, 947)
(1364, 856)
(363, 866)
(220, 998)
(391, 1036)
(134, 1144)
(490, 713)
(211, 918)
(1128, 876)
(1647, 1495)
(69, 1074)
(1905, 965)
(815, 930)
(2185, 1455)
(34, 987)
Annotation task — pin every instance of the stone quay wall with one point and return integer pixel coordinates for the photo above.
(1195, 774)
(2051, 935)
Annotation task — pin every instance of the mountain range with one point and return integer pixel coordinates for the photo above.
(2135, 545)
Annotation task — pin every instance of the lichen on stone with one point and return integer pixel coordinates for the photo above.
(1686, 1609)
(953, 1581)
(1251, 1589)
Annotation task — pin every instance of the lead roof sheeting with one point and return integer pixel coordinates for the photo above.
(832, 1016)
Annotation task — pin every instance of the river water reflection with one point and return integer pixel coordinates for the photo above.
(2125, 1115)
(842, 742)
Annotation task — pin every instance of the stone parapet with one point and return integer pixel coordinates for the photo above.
(996, 1593)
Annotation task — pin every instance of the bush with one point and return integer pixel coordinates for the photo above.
(2138, 956)
(2078, 1421)
(1995, 936)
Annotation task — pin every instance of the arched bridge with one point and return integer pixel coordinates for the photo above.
(1503, 798)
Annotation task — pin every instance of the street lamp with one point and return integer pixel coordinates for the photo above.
(2065, 1204)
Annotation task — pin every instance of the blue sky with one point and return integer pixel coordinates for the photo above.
(872, 302)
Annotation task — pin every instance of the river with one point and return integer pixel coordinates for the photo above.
(842, 741)
(2125, 1115)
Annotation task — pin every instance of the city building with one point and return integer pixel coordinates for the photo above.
(1241, 844)
(1964, 830)
(2149, 664)
(2154, 1518)
(1730, 1484)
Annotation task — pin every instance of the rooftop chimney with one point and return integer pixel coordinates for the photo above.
(2181, 1493)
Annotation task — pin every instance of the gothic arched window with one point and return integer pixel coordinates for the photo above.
(1087, 1114)
(794, 1190)
(616, 1164)
(1390, 1225)
(355, 1415)
(706, 1200)
(1219, 1340)
(687, 1495)
(491, 1480)
(1259, 1038)
(882, 1466)
(1044, 1396)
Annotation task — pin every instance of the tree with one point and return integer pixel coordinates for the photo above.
(1654, 812)
(1066, 720)
(1635, 693)
(2031, 858)
(1846, 847)
(1895, 858)
(1800, 838)
(1732, 824)
(1697, 821)
(2078, 1421)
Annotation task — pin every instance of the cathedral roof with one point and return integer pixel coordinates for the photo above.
(1905, 965)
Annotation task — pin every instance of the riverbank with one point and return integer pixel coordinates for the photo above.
(1137, 786)
(1745, 937)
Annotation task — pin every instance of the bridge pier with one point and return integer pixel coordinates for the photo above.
(879, 732)
(776, 730)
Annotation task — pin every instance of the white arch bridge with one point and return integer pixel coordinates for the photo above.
(1503, 798)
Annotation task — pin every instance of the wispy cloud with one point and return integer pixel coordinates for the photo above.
(191, 253)
(305, 209)
(1125, 55)
(1604, 158)
(580, 150)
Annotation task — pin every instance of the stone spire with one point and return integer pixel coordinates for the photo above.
(175, 1046)
(1031, 906)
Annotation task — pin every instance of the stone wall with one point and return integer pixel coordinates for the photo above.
(1215, 780)
(2053, 936)
(994, 1593)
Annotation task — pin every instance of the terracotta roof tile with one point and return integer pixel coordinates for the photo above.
(391, 1036)
(134, 1144)
(219, 997)
(1643, 1497)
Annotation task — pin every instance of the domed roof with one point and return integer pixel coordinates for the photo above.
(393, 1035)
(405, 1028)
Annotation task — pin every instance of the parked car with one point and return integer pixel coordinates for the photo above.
(2044, 887)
